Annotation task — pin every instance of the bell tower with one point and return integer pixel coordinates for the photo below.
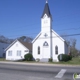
(46, 19)
(46, 30)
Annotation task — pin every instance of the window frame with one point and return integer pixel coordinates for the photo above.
(45, 44)
(38, 50)
(10, 53)
(56, 49)
(18, 53)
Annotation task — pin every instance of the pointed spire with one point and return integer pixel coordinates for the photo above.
(46, 10)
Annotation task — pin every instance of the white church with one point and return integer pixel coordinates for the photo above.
(48, 44)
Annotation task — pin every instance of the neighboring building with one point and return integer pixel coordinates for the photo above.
(17, 50)
(48, 44)
(2, 47)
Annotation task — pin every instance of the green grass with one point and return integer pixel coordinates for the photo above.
(2, 59)
(74, 61)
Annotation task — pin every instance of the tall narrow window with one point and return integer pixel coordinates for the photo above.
(56, 49)
(38, 50)
(18, 53)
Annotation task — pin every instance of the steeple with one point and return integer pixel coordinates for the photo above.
(46, 10)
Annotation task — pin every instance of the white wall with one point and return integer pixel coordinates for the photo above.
(61, 47)
(16, 46)
(44, 51)
(46, 24)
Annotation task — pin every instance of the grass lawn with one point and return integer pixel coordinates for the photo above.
(74, 61)
(2, 59)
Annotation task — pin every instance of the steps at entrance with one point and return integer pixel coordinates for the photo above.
(44, 60)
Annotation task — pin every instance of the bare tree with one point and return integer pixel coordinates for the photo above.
(72, 43)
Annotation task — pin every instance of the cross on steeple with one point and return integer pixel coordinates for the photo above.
(46, 1)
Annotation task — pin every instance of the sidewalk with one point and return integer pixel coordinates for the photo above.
(39, 64)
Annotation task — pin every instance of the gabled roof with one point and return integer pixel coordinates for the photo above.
(36, 37)
(26, 44)
(46, 11)
(53, 36)
(57, 35)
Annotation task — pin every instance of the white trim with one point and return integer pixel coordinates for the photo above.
(52, 31)
(10, 45)
(14, 43)
(36, 37)
(58, 35)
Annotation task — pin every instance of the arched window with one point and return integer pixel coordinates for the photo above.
(56, 49)
(38, 49)
(45, 44)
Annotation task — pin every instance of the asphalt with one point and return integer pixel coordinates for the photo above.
(39, 71)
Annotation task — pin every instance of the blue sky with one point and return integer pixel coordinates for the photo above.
(22, 17)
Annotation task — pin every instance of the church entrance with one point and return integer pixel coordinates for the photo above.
(45, 52)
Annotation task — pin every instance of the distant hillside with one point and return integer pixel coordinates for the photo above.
(5, 40)
(9, 41)
(26, 39)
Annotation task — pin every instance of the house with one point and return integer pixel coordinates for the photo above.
(48, 44)
(2, 47)
(17, 50)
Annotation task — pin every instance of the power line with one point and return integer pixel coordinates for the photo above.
(56, 30)
(38, 24)
(70, 29)
(48, 31)
(54, 36)
(61, 36)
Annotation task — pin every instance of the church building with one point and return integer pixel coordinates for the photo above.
(48, 44)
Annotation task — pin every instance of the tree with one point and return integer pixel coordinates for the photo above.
(26, 39)
(72, 43)
(73, 50)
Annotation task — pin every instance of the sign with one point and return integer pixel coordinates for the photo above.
(76, 76)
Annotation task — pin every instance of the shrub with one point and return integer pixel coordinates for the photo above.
(60, 57)
(64, 57)
(28, 57)
(50, 60)
(70, 57)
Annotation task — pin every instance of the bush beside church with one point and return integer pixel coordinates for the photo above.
(64, 57)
